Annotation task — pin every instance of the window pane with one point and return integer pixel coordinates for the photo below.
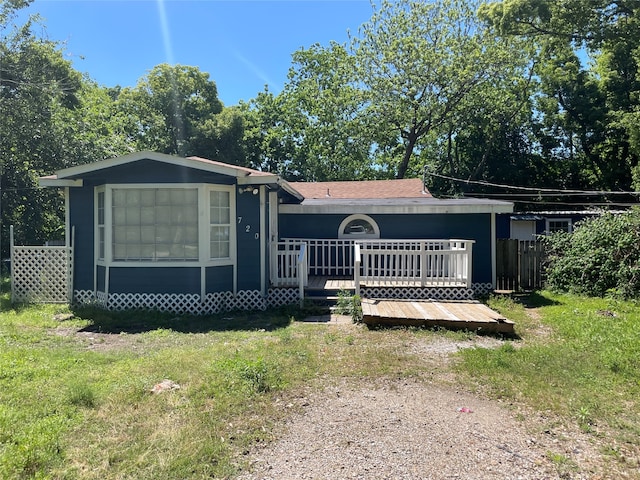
(119, 198)
(220, 242)
(119, 234)
(133, 197)
(359, 227)
(147, 198)
(101, 242)
(119, 216)
(147, 215)
(148, 235)
(101, 208)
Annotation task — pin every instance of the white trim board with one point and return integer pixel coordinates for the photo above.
(430, 208)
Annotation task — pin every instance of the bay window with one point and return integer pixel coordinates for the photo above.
(170, 224)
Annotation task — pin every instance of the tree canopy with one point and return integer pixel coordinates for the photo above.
(518, 92)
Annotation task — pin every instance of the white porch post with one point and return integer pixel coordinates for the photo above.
(273, 235)
(469, 248)
(12, 255)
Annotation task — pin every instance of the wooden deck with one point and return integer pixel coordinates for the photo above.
(454, 314)
(330, 283)
(344, 283)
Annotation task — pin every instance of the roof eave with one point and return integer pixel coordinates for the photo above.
(426, 208)
(147, 155)
(57, 182)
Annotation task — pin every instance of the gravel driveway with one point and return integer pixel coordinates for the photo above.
(415, 429)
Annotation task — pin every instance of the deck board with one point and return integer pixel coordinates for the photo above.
(467, 314)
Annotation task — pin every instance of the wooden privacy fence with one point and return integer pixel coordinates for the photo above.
(519, 264)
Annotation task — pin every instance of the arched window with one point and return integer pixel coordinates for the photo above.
(358, 226)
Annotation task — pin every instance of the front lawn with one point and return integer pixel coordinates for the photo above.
(579, 358)
(76, 400)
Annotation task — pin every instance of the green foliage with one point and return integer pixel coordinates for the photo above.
(601, 257)
(176, 110)
(421, 63)
(591, 349)
(586, 109)
(349, 304)
(256, 374)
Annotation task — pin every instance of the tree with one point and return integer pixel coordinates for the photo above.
(588, 110)
(418, 63)
(36, 83)
(176, 110)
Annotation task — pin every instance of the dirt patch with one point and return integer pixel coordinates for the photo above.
(98, 341)
(410, 429)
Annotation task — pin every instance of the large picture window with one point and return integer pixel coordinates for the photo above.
(155, 224)
(190, 224)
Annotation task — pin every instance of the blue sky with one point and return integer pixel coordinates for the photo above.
(243, 45)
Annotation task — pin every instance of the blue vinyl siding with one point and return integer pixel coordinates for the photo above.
(154, 280)
(419, 226)
(309, 226)
(149, 171)
(248, 210)
(81, 217)
(219, 279)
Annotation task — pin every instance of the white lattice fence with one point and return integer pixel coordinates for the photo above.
(190, 303)
(41, 274)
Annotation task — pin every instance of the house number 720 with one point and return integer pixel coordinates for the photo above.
(247, 229)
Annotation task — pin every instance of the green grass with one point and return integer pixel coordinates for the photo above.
(77, 403)
(580, 359)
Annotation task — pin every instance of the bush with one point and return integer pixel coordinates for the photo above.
(601, 257)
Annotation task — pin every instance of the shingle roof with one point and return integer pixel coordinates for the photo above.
(364, 189)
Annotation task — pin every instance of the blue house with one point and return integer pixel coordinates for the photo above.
(150, 230)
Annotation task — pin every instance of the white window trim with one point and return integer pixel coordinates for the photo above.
(358, 216)
(204, 256)
(97, 192)
(549, 220)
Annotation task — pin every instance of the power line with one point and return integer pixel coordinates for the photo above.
(531, 189)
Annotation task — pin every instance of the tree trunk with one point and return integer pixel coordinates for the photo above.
(408, 151)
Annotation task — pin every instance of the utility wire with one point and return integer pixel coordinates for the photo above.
(554, 191)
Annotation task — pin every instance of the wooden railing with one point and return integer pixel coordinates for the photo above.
(327, 257)
(289, 265)
(437, 263)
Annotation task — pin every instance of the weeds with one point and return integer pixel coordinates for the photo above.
(349, 304)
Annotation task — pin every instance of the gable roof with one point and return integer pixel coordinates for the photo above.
(364, 189)
(191, 162)
(71, 177)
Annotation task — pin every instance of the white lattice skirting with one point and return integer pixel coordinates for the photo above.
(190, 303)
(420, 293)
